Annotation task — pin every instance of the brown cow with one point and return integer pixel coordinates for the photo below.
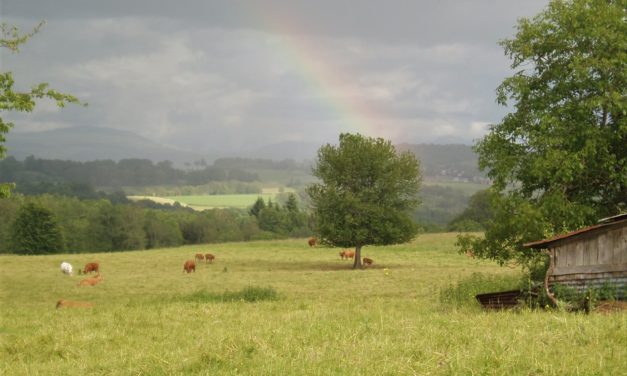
(209, 258)
(367, 261)
(349, 254)
(199, 257)
(91, 267)
(91, 281)
(189, 266)
(73, 304)
(312, 242)
(342, 254)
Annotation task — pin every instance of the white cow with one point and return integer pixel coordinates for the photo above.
(66, 268)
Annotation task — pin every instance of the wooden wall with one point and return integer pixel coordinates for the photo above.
(592, 258)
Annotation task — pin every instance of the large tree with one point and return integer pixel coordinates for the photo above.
(12, 100)
(558, 160)
(366, 194)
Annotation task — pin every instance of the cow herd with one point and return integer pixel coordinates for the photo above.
(190, 265)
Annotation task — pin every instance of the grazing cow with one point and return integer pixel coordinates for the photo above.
(66, 268)
(91, 281)
(73, 304)
(199, 257)
(367, 261)
(209, 258)
(349, 254)
(312, 242)
(91, 267)
(189, 266)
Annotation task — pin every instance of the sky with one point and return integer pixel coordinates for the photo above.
(232, 75)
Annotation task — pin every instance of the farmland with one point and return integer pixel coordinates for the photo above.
(201, 202)
(150, 318)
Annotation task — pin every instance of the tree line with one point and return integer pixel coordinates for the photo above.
(48, 224)
(108, 173)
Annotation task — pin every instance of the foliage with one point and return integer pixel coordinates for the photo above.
(11, 100)
(462, 293)
(131, 172)
(257, 207)
(558, 161)
(478, 215)
(99, 225)
(36, 231)
(287, 220)
(366, 193)
(439, 205)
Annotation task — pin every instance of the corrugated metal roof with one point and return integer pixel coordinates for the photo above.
(609, 222)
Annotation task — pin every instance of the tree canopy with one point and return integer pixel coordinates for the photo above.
(366, 194)
(558, 160)
(12, 100)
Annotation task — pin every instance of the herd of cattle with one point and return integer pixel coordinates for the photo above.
(188, 267)
(344, 254)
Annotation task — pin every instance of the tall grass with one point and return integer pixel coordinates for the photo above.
(310, 314)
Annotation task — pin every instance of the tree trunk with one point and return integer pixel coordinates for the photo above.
(549, 271)
(357, 263)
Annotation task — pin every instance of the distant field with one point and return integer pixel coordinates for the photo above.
(221, 201)
(151, 319)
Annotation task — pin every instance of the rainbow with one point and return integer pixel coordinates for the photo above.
(330, 86)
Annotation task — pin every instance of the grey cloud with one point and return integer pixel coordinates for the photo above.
(223, 75)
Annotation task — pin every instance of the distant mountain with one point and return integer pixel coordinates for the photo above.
(92, 143)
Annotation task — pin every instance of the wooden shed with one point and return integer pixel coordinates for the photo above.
(589, 257)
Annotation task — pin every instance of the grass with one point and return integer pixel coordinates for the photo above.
(240, 201)
(307, 313)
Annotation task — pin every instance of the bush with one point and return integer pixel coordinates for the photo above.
(462, 293)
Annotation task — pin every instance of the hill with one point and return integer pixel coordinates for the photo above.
(92, 143)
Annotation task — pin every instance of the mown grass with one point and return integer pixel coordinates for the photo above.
(239, 201)
(313, 316)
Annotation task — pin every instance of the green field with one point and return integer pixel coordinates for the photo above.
(151, 319)
(239, 201)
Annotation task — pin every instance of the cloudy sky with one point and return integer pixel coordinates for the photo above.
(228, 75)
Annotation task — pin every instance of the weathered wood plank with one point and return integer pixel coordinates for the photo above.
(616, 242)
(605, 252)
(606, 268)
(590, 246)
(578, 251)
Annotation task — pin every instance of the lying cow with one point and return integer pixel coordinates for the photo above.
(91, 267)
(189, 266)
(367, 261)
(66, 268)
(91, 281)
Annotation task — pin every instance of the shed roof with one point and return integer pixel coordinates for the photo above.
(605, 222)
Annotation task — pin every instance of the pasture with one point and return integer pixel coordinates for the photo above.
(238, 201)
(148, 317)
